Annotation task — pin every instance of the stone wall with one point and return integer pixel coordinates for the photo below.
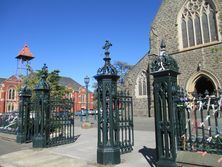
(165, 27)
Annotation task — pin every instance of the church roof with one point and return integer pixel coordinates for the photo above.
(67, 81)
(25, 53)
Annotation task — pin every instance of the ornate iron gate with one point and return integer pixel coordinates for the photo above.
(53, 122)
(61, 122)
(126, 129)
(43, 120)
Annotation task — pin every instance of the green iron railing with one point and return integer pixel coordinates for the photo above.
(43, 120)
(203, 126)
(61, 122)
(126, 129)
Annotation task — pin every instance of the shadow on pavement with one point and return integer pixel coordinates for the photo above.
(150, 155)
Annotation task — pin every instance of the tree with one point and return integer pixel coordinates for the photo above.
(56, 90)
(122, 69)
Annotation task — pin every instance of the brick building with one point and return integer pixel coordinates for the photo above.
(9, 94)
(192, 31)
(78, 94)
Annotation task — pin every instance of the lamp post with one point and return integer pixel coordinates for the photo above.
(86, 80)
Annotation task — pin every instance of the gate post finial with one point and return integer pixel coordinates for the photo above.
(164, 61)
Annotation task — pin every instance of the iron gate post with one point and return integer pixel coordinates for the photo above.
(108, 150)
(41, 131)
(24, 108)
(180, 116)
(165, 70)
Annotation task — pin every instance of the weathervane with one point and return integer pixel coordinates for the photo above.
(107, 46)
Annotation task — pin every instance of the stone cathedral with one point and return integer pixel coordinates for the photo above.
(192, 32)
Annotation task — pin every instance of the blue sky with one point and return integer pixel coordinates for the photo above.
(68, 35)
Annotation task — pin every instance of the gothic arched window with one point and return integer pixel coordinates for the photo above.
(198, 23)
(141, 86)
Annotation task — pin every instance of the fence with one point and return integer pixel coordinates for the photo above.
(61, 122)
(199, 124)
(9, 122)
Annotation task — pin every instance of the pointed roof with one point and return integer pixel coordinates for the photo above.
(67, 81)
(25, 54)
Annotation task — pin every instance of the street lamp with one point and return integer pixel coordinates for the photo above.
(86, 80)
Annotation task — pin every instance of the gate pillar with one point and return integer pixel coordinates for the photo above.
(165, 70)
(24, 114)
(108, 150)
(41, 123)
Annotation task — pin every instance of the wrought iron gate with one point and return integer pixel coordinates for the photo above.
(43, 120)
(61, 123)
(125, 121)
(53, 122)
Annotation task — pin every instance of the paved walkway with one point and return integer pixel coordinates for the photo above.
(82, 153)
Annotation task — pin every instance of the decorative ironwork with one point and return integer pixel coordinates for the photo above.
(42, 111)
(61, 122)
(25, 122)
(164, 61)
(108, 68)
(115, 115)
(165, 70)
(53, 121)
(203, 130)
(42, 85)
(124, 110)
(107, 46)
(108, 150)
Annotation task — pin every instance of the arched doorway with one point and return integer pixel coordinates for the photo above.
(203, 85)
(202, 81)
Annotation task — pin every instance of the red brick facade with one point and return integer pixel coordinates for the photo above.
(9, 99)
(79, 98)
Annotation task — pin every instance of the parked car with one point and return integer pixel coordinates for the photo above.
(93, 112)
(80, 113)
